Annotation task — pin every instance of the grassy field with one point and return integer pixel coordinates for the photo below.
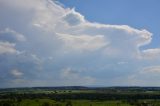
(49, 102)
(126, 96)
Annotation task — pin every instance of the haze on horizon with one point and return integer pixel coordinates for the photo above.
(73, 43)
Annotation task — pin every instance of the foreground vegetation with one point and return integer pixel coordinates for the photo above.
(80, 96)
(49, 102)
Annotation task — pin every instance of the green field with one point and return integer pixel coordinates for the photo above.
(115, 96)
(49, 102)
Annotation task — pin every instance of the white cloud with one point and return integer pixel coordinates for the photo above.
(151, 53)
(122, 62)
(144, 76)
(47, 15)
(82, 43)
(72, 77)
(151, 69)
(6, 47)
(123, 40)
(9, 35)
(74, 18)
(16, 73)
(57, 37)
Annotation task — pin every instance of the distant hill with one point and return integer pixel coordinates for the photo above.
(128, 88)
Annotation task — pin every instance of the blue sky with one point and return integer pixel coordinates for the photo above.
(79, 43)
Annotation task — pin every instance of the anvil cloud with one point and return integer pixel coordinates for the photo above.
(45, 44)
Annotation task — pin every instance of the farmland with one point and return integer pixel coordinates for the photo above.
(80, 96)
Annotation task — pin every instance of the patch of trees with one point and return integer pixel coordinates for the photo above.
(77, 96)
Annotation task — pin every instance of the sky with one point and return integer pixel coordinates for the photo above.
(79, 43)
(139, 14)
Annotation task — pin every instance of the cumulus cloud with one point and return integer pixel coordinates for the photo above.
(10, 35)
(151, 53)
(83, 43)
(16, 73)
(151, 69)
(6, 47)
(146, 76)
(74, 18)
(72, 77)
(43, 38)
